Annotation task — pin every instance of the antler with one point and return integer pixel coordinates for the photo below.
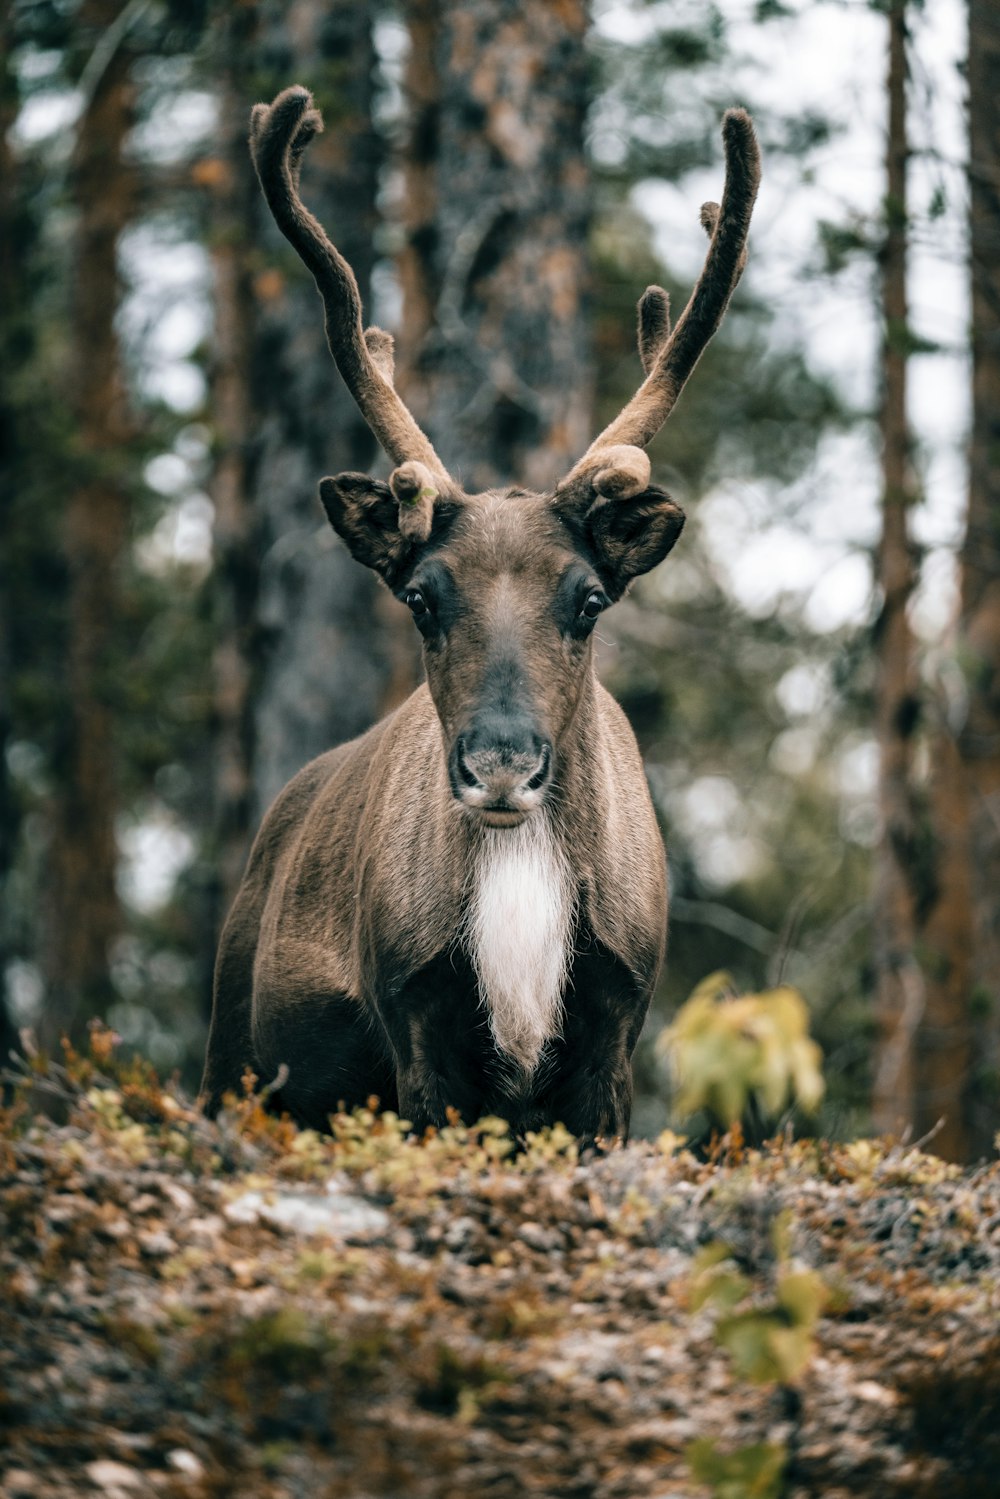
(279, 135)
(615, 463)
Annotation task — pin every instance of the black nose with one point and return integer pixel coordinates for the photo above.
(496, 772)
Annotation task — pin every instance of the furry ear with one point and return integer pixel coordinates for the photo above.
(631, 536)
(365, 513)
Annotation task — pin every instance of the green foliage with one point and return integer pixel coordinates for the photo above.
(839, 243)
(769, 1334)
(750, 1473)
(727, 1052)
(770, 1340)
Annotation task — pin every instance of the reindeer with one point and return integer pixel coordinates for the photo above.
(465, 908)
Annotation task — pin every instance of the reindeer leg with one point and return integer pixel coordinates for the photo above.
(441, 1043)
(589, 1087)
(230, 1048)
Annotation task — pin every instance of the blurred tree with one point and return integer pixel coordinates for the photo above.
(979, 741)
(84, 914)
(900, 871)
(769, 860)
(495, 348)
(13, 231)
(290, 648)
(302, 659)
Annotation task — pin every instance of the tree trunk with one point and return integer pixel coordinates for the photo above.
(234, 583)
(494, 269)
(980, 741)
(943, 1058)
(11, 305)
(84, 915)
(900, 996)
(302, 660)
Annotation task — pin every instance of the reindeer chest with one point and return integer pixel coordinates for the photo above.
(517, 931)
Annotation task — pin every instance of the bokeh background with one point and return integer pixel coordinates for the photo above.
(813, 675)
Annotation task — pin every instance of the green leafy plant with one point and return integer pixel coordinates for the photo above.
(729, 1052)
(751, 1473)
(770, 1341)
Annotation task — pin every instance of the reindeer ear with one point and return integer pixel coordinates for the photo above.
(365, 513)
(631, 536)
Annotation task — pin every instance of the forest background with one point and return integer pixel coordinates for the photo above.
(814, 676)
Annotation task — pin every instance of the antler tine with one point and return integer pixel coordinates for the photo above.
(654, 324)
(279, 135)
(640, 420)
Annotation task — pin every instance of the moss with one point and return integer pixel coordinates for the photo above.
(981, 1003)
(284, 1344)
(452, 1382)
(363, 1357)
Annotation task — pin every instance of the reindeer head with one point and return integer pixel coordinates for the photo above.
(505, 587)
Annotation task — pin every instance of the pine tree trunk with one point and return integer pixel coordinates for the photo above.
(84, 914)
(900, 997)
(943, 1063)
(326, 665)
(232, 186)
(980, 741)
(494, 269)
(302, 660)
(11, 293)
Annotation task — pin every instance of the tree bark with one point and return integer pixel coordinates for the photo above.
(302, 660)
(900, 998)
(11, 306)
(943, 1052)
(494, 269)
(979, 742)
(84, 914)
(232, 188)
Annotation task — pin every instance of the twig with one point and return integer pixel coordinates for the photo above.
(724, 919)
(277, 1083)
(930, 1135)
(105, 47)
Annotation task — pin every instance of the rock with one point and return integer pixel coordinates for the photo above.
(334, 1211)
(205, 1230)
(111, 1476)
(183, 1461)
(878, 1394)
(19, 1482)
(155, 1243)
(542, 1239)
(178, 1196)
(144, 1203)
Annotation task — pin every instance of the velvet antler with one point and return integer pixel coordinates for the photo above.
(279, 135)
(615, 464)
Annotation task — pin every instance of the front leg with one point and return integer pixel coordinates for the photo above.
(590, 1087)
(441, 1043)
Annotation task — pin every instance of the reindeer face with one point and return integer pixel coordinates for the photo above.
(505, 592)
(505, 587)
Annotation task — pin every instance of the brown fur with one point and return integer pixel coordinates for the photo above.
(348, 956)
(653, 325)
(359, 877)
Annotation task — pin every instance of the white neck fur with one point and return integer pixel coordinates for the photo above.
(517, 931)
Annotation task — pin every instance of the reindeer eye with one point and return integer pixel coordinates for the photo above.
(594, 605)
(415, 602)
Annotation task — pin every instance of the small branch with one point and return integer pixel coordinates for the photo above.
(107, 45)
(453, 328)
(724, 919)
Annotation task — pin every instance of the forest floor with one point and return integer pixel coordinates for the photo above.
(195, 1309)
